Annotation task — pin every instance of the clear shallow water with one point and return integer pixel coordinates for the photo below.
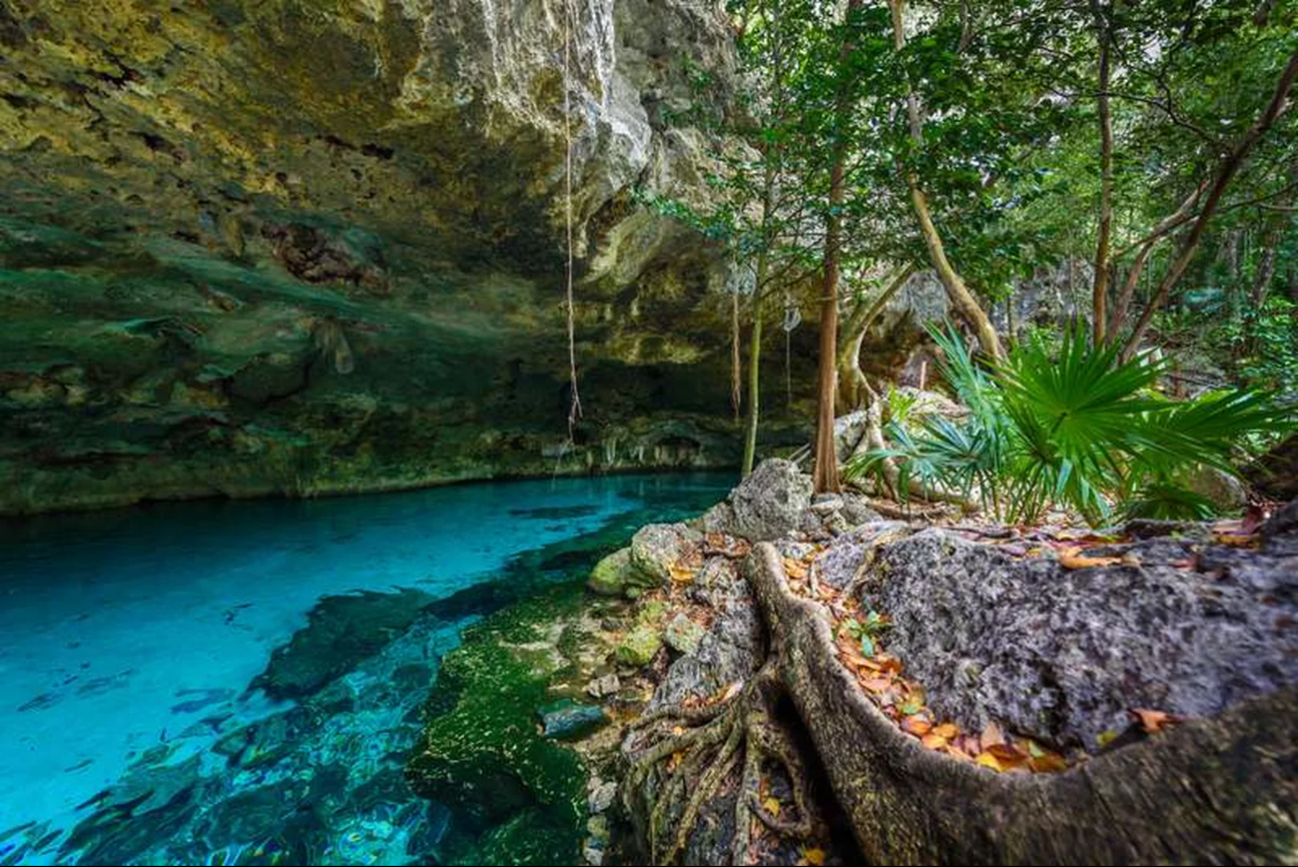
(130, 643)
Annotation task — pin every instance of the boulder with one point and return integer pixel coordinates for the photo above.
(609, 577)
(655, 549)
(772, 502)
(639, 646)
(600, 687)
(1061, 655)
(1222, 489)
(848, 430)
(683, 635)
(1276, 472)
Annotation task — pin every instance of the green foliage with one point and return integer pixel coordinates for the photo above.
(1078, 428)
(867, 630)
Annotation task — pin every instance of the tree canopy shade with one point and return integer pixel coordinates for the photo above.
(1149, 146)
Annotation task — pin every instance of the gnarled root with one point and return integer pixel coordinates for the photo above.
(703, 756)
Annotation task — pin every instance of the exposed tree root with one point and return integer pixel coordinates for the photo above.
(1219, 790)
(738, 728)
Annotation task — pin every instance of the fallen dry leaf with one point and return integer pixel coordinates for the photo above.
(876, 684)
(987, 760)
(991, 736)
(1237, 541)
(814, 857)
(917, 726)
(772, 806)
(1047, 763)
(1153, 721)
(947, 730)
(682, 574)
(933, 741)
(1071, 558)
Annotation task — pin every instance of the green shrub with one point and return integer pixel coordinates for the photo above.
(1075, 427)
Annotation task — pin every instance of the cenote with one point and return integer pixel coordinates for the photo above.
(221, 682)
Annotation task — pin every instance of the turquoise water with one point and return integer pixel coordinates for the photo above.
(238, 682)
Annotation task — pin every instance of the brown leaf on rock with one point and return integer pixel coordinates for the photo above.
(1047, 763)
(947, 730)
(933, 741)
(991, 736)
(1153, 721)
(916, 725)
(876, 684)
(1071, 558)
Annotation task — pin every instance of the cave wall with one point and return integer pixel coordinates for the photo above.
(309, 246)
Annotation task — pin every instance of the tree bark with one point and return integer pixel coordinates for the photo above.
(1226, 172)
(1100, 290)
(754, 361)
(1220, 789)
(851, 380)
(825, 475)
(961, 298)
(1144, 247)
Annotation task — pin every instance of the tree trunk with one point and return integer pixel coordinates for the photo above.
(852, 385)
(1225, 173)
(1144, 247)
(961, 298)
(825, 475)
(754, 360)
(1100, 291)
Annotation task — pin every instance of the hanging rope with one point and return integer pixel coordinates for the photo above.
(792, 319)
(574, 408)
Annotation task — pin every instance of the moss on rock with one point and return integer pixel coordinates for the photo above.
(639, 645)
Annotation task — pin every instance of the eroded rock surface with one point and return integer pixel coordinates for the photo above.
(253, 248)
(1062, 654)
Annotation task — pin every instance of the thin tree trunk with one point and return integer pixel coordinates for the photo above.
(826, 470)
(754, 361)
(851, 380)
(825, 476)
(771, 155)
(1100, 291)
(1144, 248)
(961, 298)
(1225, 173)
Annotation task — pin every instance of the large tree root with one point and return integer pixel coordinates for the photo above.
(1211, 790)
(703, 747)
(1220, 790)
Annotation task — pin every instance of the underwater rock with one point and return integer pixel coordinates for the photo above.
(569, 719)
(341, 631)
(482, 753)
